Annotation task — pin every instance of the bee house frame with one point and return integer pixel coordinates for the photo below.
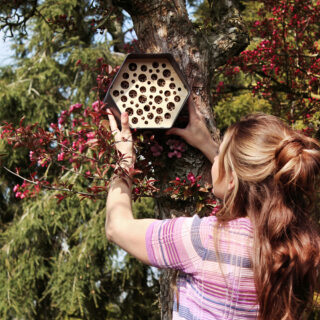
(150, 88)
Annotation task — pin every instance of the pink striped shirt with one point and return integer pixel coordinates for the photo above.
(212, 284)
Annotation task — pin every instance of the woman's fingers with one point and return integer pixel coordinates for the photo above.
(112, 121)
(177, 131)
(125, 124)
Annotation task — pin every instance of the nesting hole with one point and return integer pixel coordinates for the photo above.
(125, 84)
(150, 115)
(142, 99)
(146, 108)
(172, 85)
(159, 110)
(161, 82)
(139, 112)
(132, 66)
(153, 89)
(167, 115)
(116, 93)
(158, 119)
(132, 93)
(155, 64)
(134, 120)
(144, 68)
(125, 75)
(176, 98)
(143, 89)
(142, 77)
(154, 76)
(124, 99)
(167, 93)
(166, 73)
(171, 106)
(163, 65)
(158, 99)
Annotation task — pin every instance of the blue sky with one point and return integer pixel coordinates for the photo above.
(5, 51)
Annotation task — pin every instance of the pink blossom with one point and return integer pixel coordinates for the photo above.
(96, 105)
(191, 177)
(18, 194)
(75, 107)
(16, 188)
(61, 156)
(156, 150)
(90, 135)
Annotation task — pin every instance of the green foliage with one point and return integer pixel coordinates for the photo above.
(57, 263)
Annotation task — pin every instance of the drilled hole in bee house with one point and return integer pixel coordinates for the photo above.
(155, 64)
(133, 81)
(158, 99)
(151, 96)
(137, 86)
(143, 89)
(177, 99)
(134, 74)
(116, 93)
(146, 122)
(167, 93)
(179, 89)
(146, 108)
(124, 98)
(161, 91)
(153, 108)
(142, 99)
(166, 73)
(134, 120)
(142, 118)
(172, 85)
(159, 110)
(149, 82)
(125, 75)
(137, 105)
(170, 106)
(132, 102)
(161, 82)
(158, 119)
(132, 66)
(132, 93)
(124, 105)
(174, 92)
(153, 89)
(150, 115)
(150, 102)
(144, 68)
(164, 65)
(166, 99)
(150, 70)
(139, 112)
(142, 77)
(125, 84)
(167, 115)
(154, 76)
(157, 71)
(172, 79)
(129, 111)
(122, 92)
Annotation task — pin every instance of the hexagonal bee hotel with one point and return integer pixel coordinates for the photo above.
(150, 88)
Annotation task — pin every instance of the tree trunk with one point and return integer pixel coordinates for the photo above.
(164, 26)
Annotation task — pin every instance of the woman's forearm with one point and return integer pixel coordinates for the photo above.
(119, 207)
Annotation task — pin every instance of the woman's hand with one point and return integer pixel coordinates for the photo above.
(123, 140)
(196, 133)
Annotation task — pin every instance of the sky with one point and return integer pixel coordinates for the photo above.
(5, 50)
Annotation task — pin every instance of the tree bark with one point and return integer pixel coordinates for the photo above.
(164, 26)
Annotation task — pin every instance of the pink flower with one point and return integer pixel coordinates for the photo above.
(75, 107)
(96, 105)
(156, 150)
(16, 188)
(61, 156)
(191, 177)
(90, 135)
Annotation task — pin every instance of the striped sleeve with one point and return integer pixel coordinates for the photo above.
(170, 244)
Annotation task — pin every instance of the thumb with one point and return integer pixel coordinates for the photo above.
(177, 131)
(125, 122)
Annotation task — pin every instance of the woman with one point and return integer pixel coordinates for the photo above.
(259, 257)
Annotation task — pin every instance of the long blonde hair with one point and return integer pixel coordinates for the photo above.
(276, 171)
